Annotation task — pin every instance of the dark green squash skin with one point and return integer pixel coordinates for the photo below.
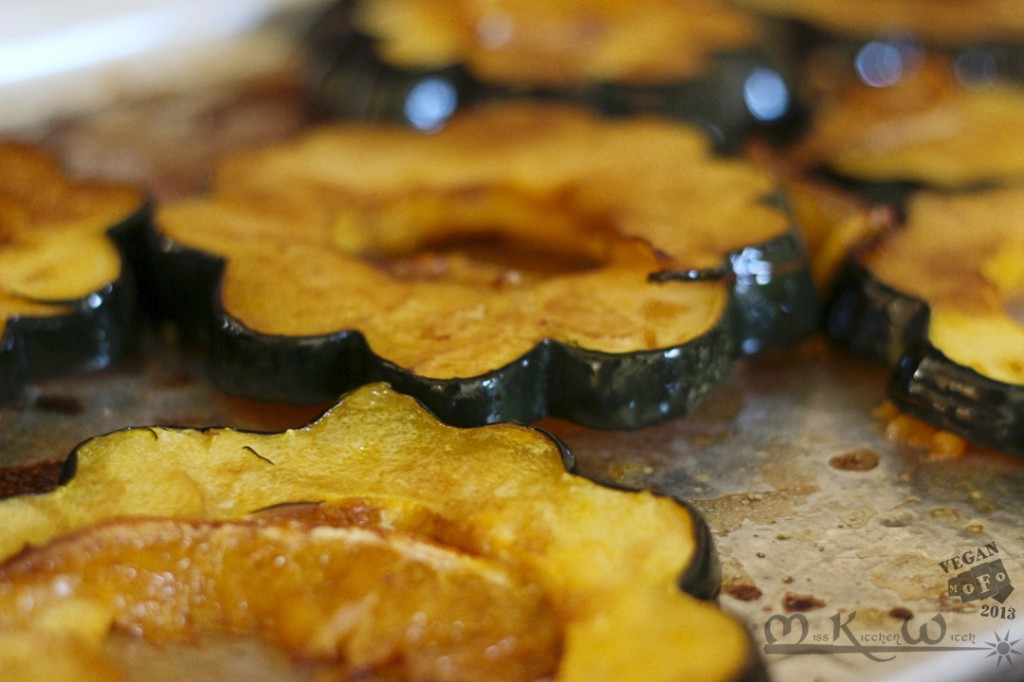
(928, 385)
(13, 370)
(873, 319)
(601, 390)
(348, 81)
(97, 330)
(876, 321)
(773, 304)
(701, 578)
(774, 296)
(774, 300)
(178, 284)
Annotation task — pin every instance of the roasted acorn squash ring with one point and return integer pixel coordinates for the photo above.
(309, 247)
(417, 62)
(938, 300)
(67, 290)
(929, 127)
(610, 562)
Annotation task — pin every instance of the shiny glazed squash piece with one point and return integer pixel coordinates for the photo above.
(356, 599)
(497, 501)
(66, 295)
(416, 62)
(523, 261)
(928, 128)
(940, 300)
(561, 42)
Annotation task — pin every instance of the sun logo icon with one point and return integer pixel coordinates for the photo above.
(1003, 648)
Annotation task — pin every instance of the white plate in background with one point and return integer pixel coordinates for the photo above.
(64, 57)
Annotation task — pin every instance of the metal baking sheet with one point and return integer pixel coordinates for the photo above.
(840, 545)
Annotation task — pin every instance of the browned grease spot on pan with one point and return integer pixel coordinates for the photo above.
(861, 459)
(743, 591)
(792, 603)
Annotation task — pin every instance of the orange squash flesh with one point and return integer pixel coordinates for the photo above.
(565, 42)
(53, 242)
(938, 299)
(609, 563)
(365, 599)
(303, 227)
(928, 128)
(525, 260)
(66, 297)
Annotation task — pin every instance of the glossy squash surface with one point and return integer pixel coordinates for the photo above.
(66, 293)
(932, 126)
(495, 504)
(523, 261)
(940, 299)
(417, 62)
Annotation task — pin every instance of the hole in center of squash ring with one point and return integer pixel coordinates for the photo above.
(482, 237)
(490, 259)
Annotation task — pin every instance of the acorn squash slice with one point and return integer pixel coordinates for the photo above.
(417, 62)
(524, 261)
(923, 21)
(929, 128)
(378, 600)
(939, 299)
(498, 500)
(66, 293)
